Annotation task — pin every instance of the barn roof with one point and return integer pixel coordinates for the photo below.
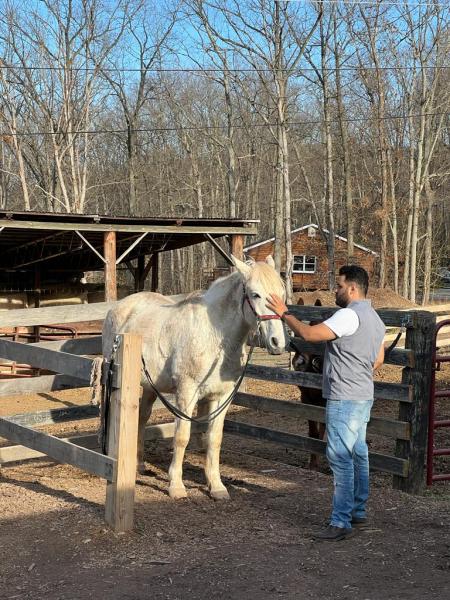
(298, 229)
(63, 245)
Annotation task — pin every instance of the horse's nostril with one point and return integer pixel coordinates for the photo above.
(274, 341)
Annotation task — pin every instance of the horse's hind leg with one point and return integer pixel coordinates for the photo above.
(180, 441)
(145, 410)
(212, 464)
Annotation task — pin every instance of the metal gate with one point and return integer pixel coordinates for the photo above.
(434, 424)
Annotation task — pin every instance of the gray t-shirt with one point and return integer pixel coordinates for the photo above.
(349, 360)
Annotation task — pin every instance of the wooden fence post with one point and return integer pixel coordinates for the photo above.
(122, 434)
(419, 338)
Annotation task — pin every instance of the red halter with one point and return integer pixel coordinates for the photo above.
(258, 317)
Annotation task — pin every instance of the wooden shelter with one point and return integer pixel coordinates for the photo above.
(41, 248)
(310, 256)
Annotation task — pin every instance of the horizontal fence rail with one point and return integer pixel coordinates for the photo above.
(378, 425)
(380, 462)
(60, 450)
(391, 318)
(45, 358)
(397, 356)
(386, 391)
(53, 315)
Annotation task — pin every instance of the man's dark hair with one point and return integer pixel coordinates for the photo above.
(356, 275)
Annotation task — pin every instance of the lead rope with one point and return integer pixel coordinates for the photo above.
(403, 326)
(182, 415)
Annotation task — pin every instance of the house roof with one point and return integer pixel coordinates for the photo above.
(339, 237)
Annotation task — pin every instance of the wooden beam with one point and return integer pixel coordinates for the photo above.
(237, 246)
(397, 356)
(130, 248)
(135, 228)
(51, 315)
(164, 431)
(36, 385)
(122, 434)
(296, 410)
(155, 272)
(109, 242)
(78, 346)
(380, 462)
(387, 391)
(391, 318)
(219, 249)
(60, 450)
(55, 415)
(138, 273)
(44, 358)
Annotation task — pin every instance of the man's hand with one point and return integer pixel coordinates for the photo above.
(310, 333)
(276, 304)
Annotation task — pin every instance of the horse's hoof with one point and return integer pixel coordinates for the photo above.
(220, 494)
(177, 493)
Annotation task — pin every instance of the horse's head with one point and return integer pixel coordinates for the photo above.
(260, 279)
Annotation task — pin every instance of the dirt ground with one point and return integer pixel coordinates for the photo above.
(55, 545)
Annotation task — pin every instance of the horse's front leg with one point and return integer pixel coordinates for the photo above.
(212, 463)
(180, 441)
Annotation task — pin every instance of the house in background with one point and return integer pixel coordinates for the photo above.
(310, 256)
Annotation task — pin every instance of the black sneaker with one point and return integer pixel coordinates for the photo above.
(333, 533)
(359, 521)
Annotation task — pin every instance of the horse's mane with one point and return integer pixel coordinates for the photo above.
(194, 296)
(269, 278)
(261, 271)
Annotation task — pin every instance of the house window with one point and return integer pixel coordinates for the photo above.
(304, 264)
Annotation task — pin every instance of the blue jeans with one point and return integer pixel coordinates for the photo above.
(348, 456)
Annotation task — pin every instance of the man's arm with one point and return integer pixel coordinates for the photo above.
(379, 359)
(310, 333)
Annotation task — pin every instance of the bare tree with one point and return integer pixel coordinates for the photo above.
(145, 39)
(262, 36)
(65, 97)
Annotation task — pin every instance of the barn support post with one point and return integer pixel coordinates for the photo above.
(237, 246)
(419, 339)
(37, 299)
(139, 274)
(109, 243)
(122, 434)
(155, 272)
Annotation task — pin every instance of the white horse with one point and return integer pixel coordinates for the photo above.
(195, 348)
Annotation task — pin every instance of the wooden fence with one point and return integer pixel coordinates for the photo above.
(118, 467)
(73, 369)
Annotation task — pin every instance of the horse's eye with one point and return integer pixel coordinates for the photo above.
(255, 295)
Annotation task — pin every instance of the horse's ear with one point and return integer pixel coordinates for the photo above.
(270, 261)
(243, 268)
(318, 302)
(301, 302)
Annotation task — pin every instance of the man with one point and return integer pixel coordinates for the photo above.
(354, 349)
